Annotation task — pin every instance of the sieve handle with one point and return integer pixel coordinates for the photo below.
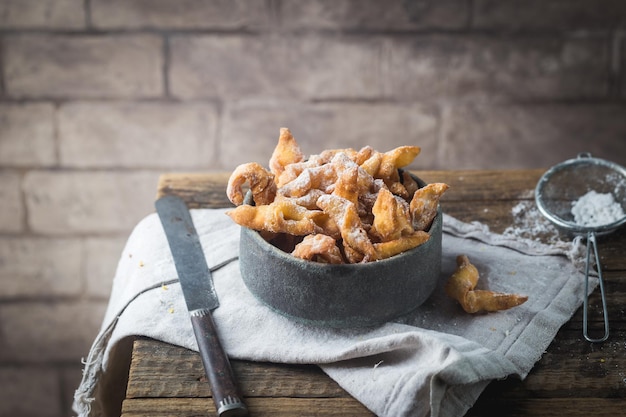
(591, 243)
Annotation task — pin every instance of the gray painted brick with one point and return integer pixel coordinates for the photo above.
(27, 134)
(11, 207)
(374, 14)
(131, 134)
(101, 258)
(550, 15)
(29, 391)
(43, 332)
(478, 67)
(239, 66)
(65, 202)
(180, 14)
(250, 130)
(539, 136)
(42, 14)
(62, 66)
(40, 267)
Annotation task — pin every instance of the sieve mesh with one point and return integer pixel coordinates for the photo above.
(566, 183)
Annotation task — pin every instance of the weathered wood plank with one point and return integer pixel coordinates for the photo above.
(187, 379)
(487, 406)
(197, 189)
(572, 366)
(569, 367)
(485, 185)
(259, 407)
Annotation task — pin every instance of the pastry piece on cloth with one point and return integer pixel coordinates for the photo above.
(434, 361)
(461, 286)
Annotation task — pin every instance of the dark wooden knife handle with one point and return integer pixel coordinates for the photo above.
(228, 400)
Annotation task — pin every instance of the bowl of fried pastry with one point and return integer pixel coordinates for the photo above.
(343, 238)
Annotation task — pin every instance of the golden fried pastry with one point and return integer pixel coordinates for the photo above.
(261, 184)
(372, 164)
(342, 162)
(424, 204)
(278, 217)
(320, 248)
(397, 188)
(393, 247)
(410, 185)
(322, 178)
(308, 200)
(356, 198)
(347, 185)
(391, 217)
(394, 159)
(286, 152)
(292, 171)
(363, 155)
(346, 216)
(461, 286)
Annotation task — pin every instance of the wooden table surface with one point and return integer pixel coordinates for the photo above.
(573, 378)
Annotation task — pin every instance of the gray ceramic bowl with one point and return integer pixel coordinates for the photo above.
(350, 295)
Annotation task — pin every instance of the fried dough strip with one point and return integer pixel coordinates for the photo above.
(260, 180)
(393, 247)
(308, 200)
(286, 152)
(345, 215)
(292, 171)
(322, 178)
(409, 183)
(347, 185)
(423, 206)
(391, 217)
(320, 248)
(353, 256)
(394, 159)
(327, 155)
(277, 217)
(372, 164)
(363, 154)
(342, 162)
(327, 226)
(461, 286)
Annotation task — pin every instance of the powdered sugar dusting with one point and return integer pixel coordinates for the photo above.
(529, 223)
(595, 209)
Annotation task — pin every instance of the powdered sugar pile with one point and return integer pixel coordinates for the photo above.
(595, 209)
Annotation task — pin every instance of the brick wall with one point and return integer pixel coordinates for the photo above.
(98, 97)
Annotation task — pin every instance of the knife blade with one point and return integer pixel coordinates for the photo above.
(200, 296)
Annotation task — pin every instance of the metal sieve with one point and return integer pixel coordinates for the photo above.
(560, 188)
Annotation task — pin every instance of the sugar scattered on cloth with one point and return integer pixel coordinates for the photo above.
(529, 223)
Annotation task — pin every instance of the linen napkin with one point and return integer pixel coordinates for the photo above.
(434, 361)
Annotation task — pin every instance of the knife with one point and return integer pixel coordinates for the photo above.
(200, 296)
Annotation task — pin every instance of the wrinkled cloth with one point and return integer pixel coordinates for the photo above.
(434, 361)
